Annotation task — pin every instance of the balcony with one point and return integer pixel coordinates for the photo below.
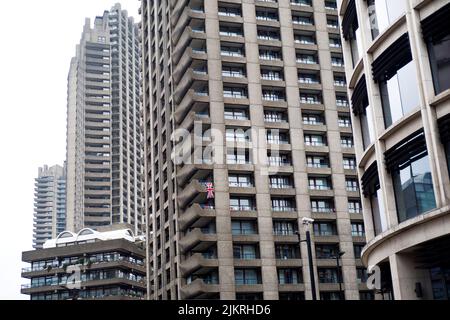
(196, 240)
(199, 289)
(193, 192)
(199, 264)
(184, 19)
(186, 104)
(192, 171)
(186, 81)
(196, 216)
(185, 61)
(192, 117)
(184, 40)
(178, 6)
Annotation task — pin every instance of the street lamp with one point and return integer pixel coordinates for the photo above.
(307, 222)
(338, 257)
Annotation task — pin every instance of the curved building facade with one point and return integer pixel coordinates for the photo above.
(397, 56)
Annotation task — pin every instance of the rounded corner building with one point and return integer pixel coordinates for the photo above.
(397, 56)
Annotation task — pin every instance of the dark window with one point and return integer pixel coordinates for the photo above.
(409, 165)
(436, 32)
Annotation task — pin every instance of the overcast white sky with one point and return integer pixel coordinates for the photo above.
(37, 39)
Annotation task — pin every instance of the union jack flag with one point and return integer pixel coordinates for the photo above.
(210, 190)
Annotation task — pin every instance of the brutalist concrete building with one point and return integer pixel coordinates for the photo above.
(88, 265)
(247, 132)
(104, 119)
(49, 217)
(398, 73)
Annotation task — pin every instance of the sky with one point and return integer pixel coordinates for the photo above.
(35, 55)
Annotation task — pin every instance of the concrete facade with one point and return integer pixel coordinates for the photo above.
(49, 204)
(407, 250)
(108, 265)
(259, 65)
(104, 147)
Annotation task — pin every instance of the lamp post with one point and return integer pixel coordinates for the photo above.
(307, 222)
(338, 257)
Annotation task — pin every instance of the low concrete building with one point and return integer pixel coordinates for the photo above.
(88, 265)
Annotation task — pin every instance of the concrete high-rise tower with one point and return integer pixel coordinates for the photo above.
(261, 84)
(104, 147)
(49, 204)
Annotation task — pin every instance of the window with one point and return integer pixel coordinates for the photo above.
(300, 38)
(275, 116)
(272, 75)
(306, 20)
(245, 252)
(366, 295)
(315, 140)
(325, 229)
(409, 165)
(437, 38)
(231, 30)
(269, 34)
(352, 32)
(354, 207)
(284, 228)
(400, 94)
(358, 230)
(326, 251)
(395, 71)
(344, 122)
(280, 182)
(249, 296)
(232, 50)
(270, 53)
(317, 161)
(247, 276)
(349, 163)
(241, 204)
(267, 15)
(273, 95)
(361, 108)
(346, 142)
(361, 275)
(236, 114)
(357, 249)
(307, 58)
(308, 78)
(230, 11)
(276, 137)
(313, 119)
(240, 181)
(283, 205)
(292, 296)
(289, 276)
(279, 160)
(233, 71)
(237, 135)
(235, 92)
(330, 296)
(241, 227)
(444, 130)
(382, 13)
(286, 252)
(322, 206)
(319, 183)
(310, 98)
(351, 185)
(328, 275)
(238, 156)
(372, 190)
